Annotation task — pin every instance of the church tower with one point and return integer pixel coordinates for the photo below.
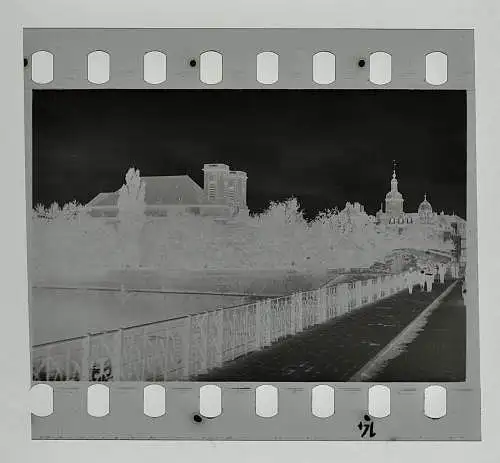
(214, 176)
(425, 213)
(394, 199)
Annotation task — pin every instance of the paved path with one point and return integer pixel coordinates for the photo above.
(438, 353)
(333, 351)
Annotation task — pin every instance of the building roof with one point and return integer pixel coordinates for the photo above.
(100, 197)
(167, 190)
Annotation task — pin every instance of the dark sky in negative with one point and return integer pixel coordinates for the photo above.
(325, 147)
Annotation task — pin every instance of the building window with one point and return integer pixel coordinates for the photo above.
(211, 191)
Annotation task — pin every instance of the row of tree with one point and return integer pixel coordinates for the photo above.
(67, 238)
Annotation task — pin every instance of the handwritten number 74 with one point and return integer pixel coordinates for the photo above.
(366, 427)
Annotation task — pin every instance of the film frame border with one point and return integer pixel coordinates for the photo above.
(239, 49)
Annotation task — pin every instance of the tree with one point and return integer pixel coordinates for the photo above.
(72, 210)
(131, 216)
(53, 211)
(132, 195)
(40, 212)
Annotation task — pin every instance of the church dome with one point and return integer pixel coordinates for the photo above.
(425, 207)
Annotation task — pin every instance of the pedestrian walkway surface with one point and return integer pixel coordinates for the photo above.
(438, 354)
(332, 351)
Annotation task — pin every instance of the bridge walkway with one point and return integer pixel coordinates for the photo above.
(438, 354)
(332, 351)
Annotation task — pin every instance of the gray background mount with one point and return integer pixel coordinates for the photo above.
(239, 48)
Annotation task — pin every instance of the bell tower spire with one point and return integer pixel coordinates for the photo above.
(394, 199)
(394, 181)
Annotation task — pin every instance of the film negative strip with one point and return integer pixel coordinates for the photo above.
(276, 301)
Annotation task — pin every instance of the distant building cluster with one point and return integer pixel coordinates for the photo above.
(354, 208)
(224, 194)
(452, 226)
(394, 213)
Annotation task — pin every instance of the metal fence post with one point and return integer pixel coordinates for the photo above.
(336, 302)
(220, 335)
(324, 304)
(319, 310)
(166, 354)
(347, 295)
(86, 358)
(246, 331)
(271, 317)
(143, 354)
(279, 318)
(207, 335)
(358, 293)
(300, 313)
(187, 350)
(268, 322)
(258, 325)
(204, 343)
(116, 362)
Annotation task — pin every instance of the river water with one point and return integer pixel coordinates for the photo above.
(58, 314)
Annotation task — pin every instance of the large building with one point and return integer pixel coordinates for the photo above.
(223, 195)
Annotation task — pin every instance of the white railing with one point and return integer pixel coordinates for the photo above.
(182, 348)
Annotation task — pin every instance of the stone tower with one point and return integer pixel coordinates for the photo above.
(241, 187)
(394, 199)
(224, 186)
(214, 182)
